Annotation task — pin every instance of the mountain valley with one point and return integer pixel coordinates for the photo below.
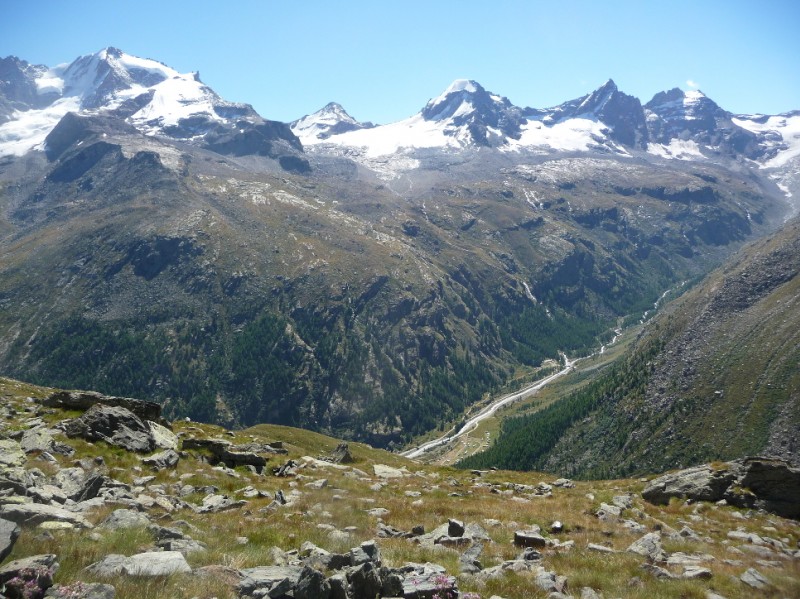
(368, 281)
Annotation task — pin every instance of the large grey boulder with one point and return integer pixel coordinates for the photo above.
(114, 425)
(9, 533)
(765, 483)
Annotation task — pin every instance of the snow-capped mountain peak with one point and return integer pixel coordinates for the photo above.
(329, 120)
(152, 97)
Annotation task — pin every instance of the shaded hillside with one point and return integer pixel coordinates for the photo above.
(715, 376)
(235, 292)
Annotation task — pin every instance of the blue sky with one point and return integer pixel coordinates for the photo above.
(383, 59)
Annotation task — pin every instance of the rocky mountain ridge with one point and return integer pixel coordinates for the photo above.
(89, 510)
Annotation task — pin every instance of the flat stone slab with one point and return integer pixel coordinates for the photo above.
(36, 513)
(384, 471)
(151, 563)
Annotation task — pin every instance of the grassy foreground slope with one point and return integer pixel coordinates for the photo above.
(335, 517)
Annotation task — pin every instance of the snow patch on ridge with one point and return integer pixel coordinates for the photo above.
(678, 149)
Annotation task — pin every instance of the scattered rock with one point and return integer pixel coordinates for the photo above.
(151, 563)
(600, 548)
(219, 503)
(341, 455)
(162, 436)
(649, 546)
(124, 518)
(753, 578)
(529, 538)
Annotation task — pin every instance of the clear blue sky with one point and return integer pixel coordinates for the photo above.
(383, 59)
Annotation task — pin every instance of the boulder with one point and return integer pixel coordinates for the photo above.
(225, 452)
(151, 563)
(384, 471)
(529, 538)
(36, 439)
(341, 455)
(124, 518)
(219, 503)
(115, 425)
(754, 579)
(272, 581)
(701, 483)
(649, 546)
(9, 533)
(11, 454)
(365, 581)
(162, 460)
(20, 577)
(312, 585)
(163, 437)
(426, 581)
(468, 562)
(36, 513)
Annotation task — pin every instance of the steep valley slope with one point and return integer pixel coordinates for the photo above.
(713, 376)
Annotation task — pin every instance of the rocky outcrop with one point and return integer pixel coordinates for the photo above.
(764, 483)
(83, 400)
(114, 425)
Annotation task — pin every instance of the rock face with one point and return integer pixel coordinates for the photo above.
(115, 425)
(763, 483)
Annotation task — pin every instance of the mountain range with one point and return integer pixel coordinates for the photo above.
(371, 281)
